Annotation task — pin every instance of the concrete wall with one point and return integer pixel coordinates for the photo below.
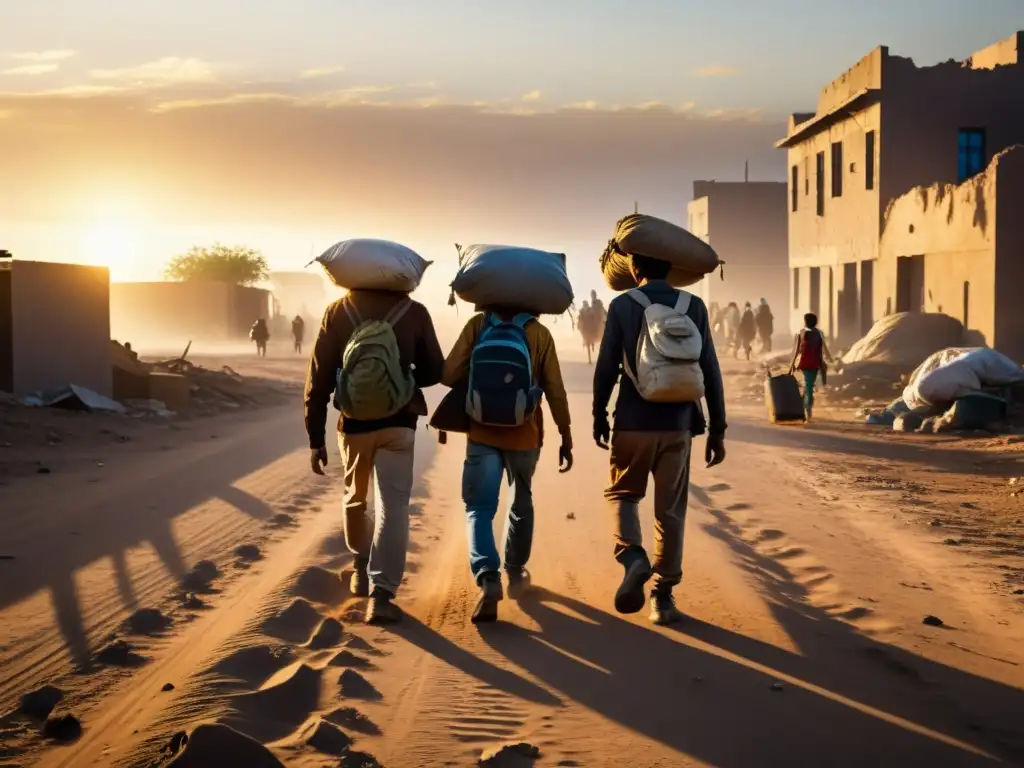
(174, 313)
(916, 124)
(1009, 217)
(61, 326)
(954, 229)
(745, 222)
(926, 106)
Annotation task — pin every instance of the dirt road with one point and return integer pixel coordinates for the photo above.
(806, 642)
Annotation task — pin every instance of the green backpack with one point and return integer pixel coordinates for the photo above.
(372, 383)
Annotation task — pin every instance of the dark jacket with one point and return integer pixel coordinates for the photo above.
(632, 412)
(417, 346)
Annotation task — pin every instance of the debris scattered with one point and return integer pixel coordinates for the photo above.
(168, 687)
(506, 752)
(570, 516)
(933, 621)
(41, 702)
(62, 728)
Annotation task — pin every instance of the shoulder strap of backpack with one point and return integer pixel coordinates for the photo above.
(353, 314)
(639, 297)
(522, 319)
(683, 302)
(398, 311)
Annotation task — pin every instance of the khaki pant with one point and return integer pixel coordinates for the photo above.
(379, 541)
(635, 456)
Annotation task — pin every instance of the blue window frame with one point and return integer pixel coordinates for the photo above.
(970, 153)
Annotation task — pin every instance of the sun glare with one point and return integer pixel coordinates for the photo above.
(110, 244)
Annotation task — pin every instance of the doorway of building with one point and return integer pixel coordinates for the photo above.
(910, 284)
(849, 304)
(867, 296)
(815, 289)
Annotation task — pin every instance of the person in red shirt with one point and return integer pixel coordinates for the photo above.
(809, 356)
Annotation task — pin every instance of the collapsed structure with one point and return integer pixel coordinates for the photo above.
(895, 190)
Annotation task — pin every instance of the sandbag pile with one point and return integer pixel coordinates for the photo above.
(691, 258)
(511, 276)
(368, 264)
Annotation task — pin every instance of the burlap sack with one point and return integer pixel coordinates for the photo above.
(691, 258)
(368, 264)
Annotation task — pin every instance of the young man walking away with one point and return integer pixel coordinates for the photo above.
(383, 389)
(809, 356)
(654, 438)
(509, 359)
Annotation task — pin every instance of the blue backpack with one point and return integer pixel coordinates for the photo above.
(502, 392)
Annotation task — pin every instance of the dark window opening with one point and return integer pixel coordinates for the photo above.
(796, 288)
(970, 153)
(869, 160)
(819, 182)
(837, 169)
(794, 184)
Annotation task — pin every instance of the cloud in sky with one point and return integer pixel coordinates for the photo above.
(716, 70)
(348, 163)
(169, 70)
(532, 96)
(32, 69)
(319, 72)
(44, 56)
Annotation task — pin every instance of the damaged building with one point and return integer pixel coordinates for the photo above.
(745, 222)
(880, 131)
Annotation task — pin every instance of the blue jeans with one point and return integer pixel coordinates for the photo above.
(481, 485)
(810, 379)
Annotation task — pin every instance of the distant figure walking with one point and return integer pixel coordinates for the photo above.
(747, 331)
(298, 331)
(260, 333)
(765, 325)
(599, 313)
(589, 329)
(730, 320)
(809, 356)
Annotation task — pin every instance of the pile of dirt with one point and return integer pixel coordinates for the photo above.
(897, 344)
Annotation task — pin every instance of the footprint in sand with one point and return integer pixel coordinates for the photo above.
(248, 553)
(200, 579)
(255, 665)
(41, 702)
(355, 686)
(277, 709)
(148, 621)
(328, 635)
(356, 643)
(281, 520)
(327, 738)
(295, 623)
(353, 720)
(209, 743)
(320, 586)
(348, 659)
(119, 653)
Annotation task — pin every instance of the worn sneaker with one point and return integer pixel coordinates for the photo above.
(490, 595)
(663, 609)
(359, 584)
(381, 609)
(630, 596)
(518, 582)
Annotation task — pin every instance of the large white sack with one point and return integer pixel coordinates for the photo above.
(691, 258)
(514, 277)
(368, 264)
(953, 373)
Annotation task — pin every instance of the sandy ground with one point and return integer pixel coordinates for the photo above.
(186, 579)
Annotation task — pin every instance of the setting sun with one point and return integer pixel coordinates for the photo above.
(110, 244)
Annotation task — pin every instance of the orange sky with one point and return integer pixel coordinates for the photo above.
(287, 174)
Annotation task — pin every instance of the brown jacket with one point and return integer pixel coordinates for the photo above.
(543, 360)
(417, 346)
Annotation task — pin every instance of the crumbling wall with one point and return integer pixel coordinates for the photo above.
(1005, 52)
(1010, 253)
(953, 227)
(866, 74)
(61, 326)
